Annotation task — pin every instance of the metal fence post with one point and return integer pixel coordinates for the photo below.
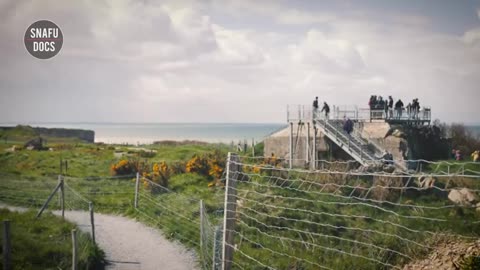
(307, 144)
(230, 209)
(290, 146)
(314, 154)
(74, 250)
(137, 183)
(7, 249)
(92, 220)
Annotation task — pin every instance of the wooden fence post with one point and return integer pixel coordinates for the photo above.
(62, 194)
(137, 183)
(44, 206)
(92, 221)
(74, 250)
(202, 231)
(7, 249)
(215, 257)
(230, 209)
(253, 147)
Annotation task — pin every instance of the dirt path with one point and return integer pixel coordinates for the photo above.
(129, 244)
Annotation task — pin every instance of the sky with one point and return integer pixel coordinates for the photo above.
(237, 60)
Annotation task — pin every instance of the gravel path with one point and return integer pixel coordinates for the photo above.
(129, 244)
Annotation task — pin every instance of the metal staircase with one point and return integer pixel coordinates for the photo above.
(356, 146)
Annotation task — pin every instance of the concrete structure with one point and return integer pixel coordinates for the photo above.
(279, 144)
(299, 144)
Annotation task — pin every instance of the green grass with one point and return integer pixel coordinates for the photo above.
(29, 176)
(45, 243)
(451, 166)
(309, 222)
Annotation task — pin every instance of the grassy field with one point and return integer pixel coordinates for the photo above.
(28, 177)
(276, 217)
(45, 243)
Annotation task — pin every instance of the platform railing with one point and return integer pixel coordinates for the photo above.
(296, 113)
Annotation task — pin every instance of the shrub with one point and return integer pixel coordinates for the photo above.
(160, 174)
(198, 165)
(126, 167)
(211, 165)
(146, 154)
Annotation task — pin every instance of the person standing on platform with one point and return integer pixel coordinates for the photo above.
(326, 108)
(390, 106)
(315, 108)
(399, 108)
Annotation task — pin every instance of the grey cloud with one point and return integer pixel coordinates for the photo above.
(179, 61)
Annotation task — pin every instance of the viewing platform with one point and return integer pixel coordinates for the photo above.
(296, 113)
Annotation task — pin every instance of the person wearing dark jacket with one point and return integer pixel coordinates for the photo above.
(399, 108)
(348, 126)
(325, 108)
(390, 106)
(385, 108)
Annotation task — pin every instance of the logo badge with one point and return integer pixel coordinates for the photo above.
(43, 39)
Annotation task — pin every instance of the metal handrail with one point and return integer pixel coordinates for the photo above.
(306, 113)
(346, 140)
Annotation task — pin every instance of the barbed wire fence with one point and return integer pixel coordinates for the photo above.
(280, 218)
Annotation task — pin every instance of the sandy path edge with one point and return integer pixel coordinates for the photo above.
(129, 244)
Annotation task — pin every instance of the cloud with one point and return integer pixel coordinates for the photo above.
(222, 61)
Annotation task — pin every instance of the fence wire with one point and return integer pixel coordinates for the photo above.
(300, 219)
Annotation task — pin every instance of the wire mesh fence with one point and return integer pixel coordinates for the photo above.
(301, 219)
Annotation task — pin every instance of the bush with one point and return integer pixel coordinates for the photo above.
(146, 154)
(126, 167)
(211, 165)
(463, 139)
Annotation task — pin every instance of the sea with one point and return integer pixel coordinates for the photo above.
(147, 133)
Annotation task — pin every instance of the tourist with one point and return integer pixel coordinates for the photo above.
(417, 107)
(476, 156)
(399, 108)
(458, 155)
(385, 108)
(348, 126)
(325, 108)
(390, 106)
(315, 108)
(409, 110)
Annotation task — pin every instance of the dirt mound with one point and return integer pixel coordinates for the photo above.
(450, 254)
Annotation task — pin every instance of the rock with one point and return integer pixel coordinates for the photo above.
(12, 149)
(463, 196)
(34, 144)
(389, 168)
(426, 182)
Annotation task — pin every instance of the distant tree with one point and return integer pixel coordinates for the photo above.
(463, 139)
